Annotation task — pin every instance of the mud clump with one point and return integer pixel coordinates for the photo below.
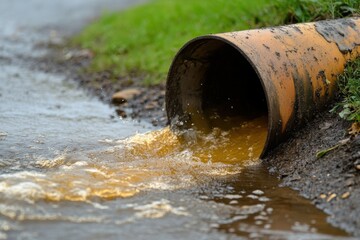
(124, 96)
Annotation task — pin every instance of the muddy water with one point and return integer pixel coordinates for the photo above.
(158, 159)
(158, 185)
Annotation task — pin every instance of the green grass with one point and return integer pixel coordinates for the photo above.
(143, 40)
(297, 11)
(349, 85)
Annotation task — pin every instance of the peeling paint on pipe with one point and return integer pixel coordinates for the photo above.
(287, 72)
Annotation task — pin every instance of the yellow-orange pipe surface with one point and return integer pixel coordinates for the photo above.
(296, 65)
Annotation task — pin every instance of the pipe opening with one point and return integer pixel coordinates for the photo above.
(217, 86)
(231, 87)
(211, 86)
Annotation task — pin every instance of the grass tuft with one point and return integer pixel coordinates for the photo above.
(349, 85)
(297, 11)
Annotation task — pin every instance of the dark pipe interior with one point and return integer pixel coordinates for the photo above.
(231, 86)
(217, 81)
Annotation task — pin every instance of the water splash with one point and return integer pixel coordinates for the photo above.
(158, 160)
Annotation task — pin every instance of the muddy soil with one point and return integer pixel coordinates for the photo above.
(332, 182)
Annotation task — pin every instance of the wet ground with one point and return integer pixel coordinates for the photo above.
(70, 168)
(330, 182)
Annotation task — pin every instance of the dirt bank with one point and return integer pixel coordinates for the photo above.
(332, 181)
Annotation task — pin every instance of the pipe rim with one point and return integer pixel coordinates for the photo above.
(254, 68)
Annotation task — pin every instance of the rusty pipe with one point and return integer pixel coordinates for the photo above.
(287, 72)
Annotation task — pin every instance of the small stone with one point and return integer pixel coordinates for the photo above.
(331, 197)
(350, 182)
(296, 176)
(121, 113)
(357, 167)
(125, 95)
(345, 195)
(325, 126)
(3, 134)
(151, 105)
(204, 197)
(344, 141)
(322, 196)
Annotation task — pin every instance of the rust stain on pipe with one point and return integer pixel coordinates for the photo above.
(289, 72)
